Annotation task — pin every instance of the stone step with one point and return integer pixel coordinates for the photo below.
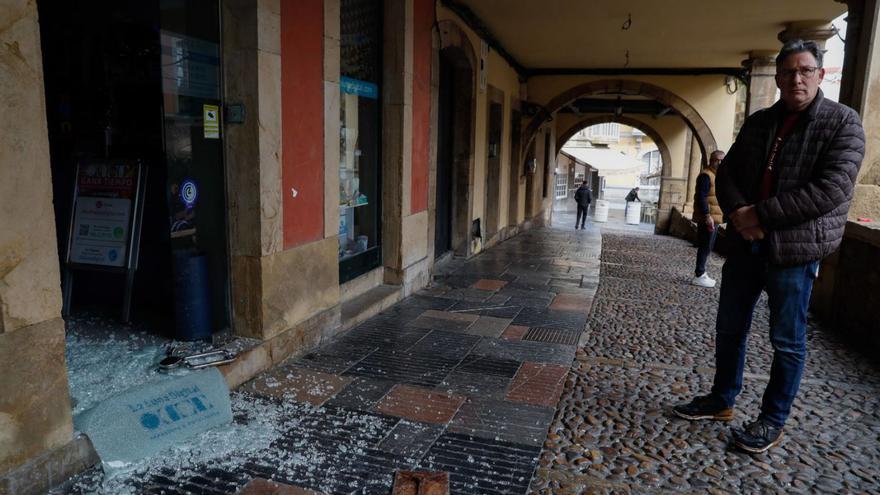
(361, 308)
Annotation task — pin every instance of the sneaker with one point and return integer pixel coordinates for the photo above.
(704, 407)
(704, 281)
(757, 436)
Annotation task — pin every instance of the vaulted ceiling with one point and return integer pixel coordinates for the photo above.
(633, 34)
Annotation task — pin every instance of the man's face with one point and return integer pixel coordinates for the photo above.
(715, 159)
(798, 80)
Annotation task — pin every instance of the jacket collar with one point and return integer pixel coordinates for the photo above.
(809, 113)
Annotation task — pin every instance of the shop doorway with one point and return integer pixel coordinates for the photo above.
(494, 131)
(454, 154)
(443, 213)
(139, 83)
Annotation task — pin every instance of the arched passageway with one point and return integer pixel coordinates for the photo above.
(629, 88)
(565, 135)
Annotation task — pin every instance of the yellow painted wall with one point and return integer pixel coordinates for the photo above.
(707, 94)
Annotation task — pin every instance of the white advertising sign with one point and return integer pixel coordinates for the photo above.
(100, 231)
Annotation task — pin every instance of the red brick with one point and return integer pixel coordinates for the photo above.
(419, 404)
(571, 302)
(514, 332)
(413, 483)
(537, 384)
(259, 486)
(489, 284)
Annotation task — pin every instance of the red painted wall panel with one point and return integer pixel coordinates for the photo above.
(302, 120)
(423, 20)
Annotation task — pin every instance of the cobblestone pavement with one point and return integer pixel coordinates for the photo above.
(462, 377)
(648, 344)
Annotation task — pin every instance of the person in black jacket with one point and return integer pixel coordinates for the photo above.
(785, 187)
(583, 197)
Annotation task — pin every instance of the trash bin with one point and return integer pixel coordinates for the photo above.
(601, 213)
(633, 212)
(192, 307)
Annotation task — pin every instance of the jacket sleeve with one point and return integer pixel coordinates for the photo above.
(727, 190)
(832, 184)
(704, 185)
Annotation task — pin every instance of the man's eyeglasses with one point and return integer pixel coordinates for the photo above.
(805, 72)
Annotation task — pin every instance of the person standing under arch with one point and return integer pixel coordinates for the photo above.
(707, 215)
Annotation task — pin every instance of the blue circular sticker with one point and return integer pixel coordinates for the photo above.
(189, 192)
(150, 421)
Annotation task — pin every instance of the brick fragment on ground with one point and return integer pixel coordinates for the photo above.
(418, 483)
(259, 486)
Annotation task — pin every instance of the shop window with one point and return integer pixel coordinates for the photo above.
(359, 140)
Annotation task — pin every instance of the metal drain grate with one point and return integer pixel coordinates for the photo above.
(552, 335)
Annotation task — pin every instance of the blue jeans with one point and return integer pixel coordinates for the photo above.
(705, 243)
(788, 288)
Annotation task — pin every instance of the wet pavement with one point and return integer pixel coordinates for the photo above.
(463, 377)
(496, 375)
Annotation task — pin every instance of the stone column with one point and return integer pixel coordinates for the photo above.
(332, 60)
(694, 161)
(404, 235)
(252, 77)
(762, 83)
(860, 89)
(35, 412)
(808, 30)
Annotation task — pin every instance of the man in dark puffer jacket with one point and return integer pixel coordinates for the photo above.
(785, 186)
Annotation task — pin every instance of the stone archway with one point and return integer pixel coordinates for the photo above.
(665, 156)
(690, 115)
(456, 138)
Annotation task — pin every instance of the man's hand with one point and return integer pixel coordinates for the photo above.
(752, 233)
(710, 222)
(745, 218)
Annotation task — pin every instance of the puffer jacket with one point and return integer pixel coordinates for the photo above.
(816, 170)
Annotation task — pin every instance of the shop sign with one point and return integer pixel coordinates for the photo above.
(358, 87)
(211, 114)
(145, 419)
(102, 214)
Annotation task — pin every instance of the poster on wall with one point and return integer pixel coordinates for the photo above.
(102, 213)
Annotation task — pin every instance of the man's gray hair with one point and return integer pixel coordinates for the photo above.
(792, 47)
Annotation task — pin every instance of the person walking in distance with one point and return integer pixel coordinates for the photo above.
(583, 197)
(632, 195)
(785, 186)
(707, 215)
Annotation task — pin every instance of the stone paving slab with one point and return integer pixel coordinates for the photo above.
(420, 405)
(497, 419)
(538, 384)
(299, 384)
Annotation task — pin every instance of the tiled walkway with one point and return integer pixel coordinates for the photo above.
(466, 377)
(463, 377)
